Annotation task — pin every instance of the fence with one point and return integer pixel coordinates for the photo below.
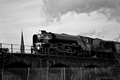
(15, 48)
(60, 74)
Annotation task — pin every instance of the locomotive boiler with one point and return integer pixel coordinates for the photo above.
(48, 43)
(57, 42)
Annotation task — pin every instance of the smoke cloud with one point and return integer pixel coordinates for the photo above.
(54, 9)
(95, 33)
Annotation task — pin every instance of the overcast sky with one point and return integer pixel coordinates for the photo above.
(95, 18)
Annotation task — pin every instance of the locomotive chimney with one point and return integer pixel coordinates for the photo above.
(43, 31)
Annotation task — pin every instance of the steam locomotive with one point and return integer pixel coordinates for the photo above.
(48, 43)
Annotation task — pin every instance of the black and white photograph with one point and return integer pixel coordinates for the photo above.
(59, 39)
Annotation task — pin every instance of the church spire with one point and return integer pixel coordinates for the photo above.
(22, 47)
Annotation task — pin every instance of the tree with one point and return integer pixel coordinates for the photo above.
(4, 50)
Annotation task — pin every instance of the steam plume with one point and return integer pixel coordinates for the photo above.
(56, 8)
(100, 34)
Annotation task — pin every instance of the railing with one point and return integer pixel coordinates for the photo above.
(60, 74)
(15, 48)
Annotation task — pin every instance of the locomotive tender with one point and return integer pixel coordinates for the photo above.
(48, 43)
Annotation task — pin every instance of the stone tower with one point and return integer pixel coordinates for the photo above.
(22, 47)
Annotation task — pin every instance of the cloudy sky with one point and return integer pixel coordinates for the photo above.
(95, 18)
